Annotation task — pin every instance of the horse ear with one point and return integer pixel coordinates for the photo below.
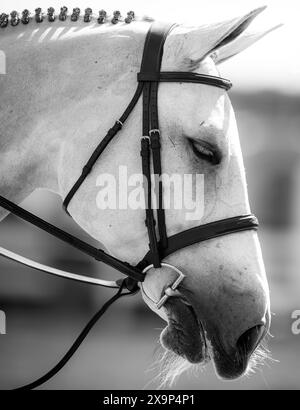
(245, 40)
(199, 42)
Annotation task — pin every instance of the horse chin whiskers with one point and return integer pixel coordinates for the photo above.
(169, 367)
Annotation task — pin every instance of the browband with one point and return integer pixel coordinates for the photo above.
(185, 77)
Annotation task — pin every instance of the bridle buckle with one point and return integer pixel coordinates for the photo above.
(154, 131)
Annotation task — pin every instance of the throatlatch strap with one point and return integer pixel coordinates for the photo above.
(101, 147)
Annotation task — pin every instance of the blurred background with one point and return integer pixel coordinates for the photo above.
(44, 314)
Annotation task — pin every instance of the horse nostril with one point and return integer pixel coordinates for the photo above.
(249, 340)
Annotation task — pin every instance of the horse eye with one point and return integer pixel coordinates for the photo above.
(205, 151)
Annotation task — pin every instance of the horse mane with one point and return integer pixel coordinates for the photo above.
(49, 15)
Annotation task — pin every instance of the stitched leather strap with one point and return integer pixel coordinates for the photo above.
(101, 147)
(153, 49)
(184, 77)
(156, 156)
(151, 62)
(203, 233)
(149, 221)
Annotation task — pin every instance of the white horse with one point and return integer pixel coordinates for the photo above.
(65, 84)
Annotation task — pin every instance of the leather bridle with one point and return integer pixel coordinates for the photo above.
(160, 245)
(149, 78)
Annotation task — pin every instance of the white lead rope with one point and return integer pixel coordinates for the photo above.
(56, 272)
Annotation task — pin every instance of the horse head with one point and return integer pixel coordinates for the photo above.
(221, 311)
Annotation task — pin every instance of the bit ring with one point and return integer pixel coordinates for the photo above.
(173, 287)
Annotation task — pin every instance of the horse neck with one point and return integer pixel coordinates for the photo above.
(56, 75)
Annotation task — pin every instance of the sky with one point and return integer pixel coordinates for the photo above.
(273, 63)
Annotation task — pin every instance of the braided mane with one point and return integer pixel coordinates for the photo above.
(39, 16)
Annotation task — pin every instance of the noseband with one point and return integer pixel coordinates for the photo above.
(160, 245)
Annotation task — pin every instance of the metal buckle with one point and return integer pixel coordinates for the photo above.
(173, 287)
(153, 131)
